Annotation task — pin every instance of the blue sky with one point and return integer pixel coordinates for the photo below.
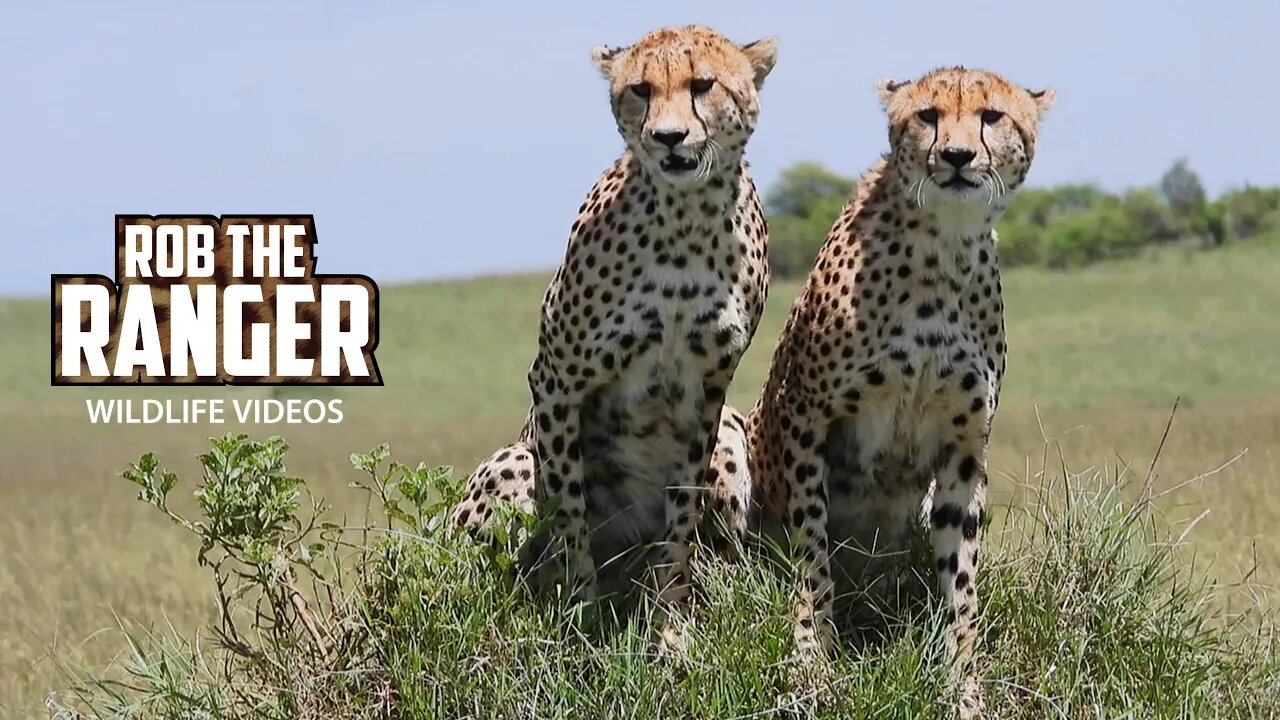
(440, 139)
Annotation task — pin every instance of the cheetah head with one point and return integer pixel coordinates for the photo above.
(686, 99)
(962, 136)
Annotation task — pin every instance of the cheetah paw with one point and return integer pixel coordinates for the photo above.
(970, 703)
(812, 677)
(673, 637)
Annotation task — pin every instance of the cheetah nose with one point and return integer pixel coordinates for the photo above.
(958, 157)
(670, 138)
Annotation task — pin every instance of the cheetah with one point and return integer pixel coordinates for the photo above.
(876, 413)
(659, 293)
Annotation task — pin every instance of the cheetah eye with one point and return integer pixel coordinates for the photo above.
(928, 117)
(701, 85)
(640, 89)
(991, 117)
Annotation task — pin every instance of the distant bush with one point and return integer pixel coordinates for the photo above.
(1087, 613)
(1066, 226)
(801, 206)
(1105, 230)
(1251, 211)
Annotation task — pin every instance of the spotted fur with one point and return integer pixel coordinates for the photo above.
(879, 401)
(660, 291)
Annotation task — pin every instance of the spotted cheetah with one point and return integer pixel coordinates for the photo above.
(660, 291)
(883, 386)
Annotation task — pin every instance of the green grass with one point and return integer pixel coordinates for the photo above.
(1097, 358)
(1089, 614)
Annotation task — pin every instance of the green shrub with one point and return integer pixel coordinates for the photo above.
(1251, 211)
(1089, 612)
(1106, 231)
(794, 241)
(1064, 226)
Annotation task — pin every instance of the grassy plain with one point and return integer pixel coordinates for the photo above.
(1098, 357)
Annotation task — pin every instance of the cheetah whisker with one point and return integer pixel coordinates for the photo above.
(712, 157)
(912, 189)
(926, 178)
(1004, 187)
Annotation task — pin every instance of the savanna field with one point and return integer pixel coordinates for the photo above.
(1098, 357)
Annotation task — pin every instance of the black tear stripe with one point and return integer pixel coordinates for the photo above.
(929, 153)
(982, 138)
(648, 103)
(693, 103)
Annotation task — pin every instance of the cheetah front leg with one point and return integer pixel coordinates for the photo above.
(807, 509)
(559, 480)
(959, 502)
(686, 496)
(729, 484)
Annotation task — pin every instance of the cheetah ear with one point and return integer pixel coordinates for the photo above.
(604, 57)
(762, 54)
(886, 88)
(1044, 99)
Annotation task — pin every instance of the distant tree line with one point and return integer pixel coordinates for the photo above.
(1059, 227)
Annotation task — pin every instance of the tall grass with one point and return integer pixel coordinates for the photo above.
(1091, 609)
(1100, 351)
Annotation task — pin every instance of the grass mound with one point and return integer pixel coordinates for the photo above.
(1090, 610)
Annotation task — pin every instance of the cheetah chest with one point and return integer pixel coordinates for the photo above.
(685, 324)
(637, 428)
(930, 367)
